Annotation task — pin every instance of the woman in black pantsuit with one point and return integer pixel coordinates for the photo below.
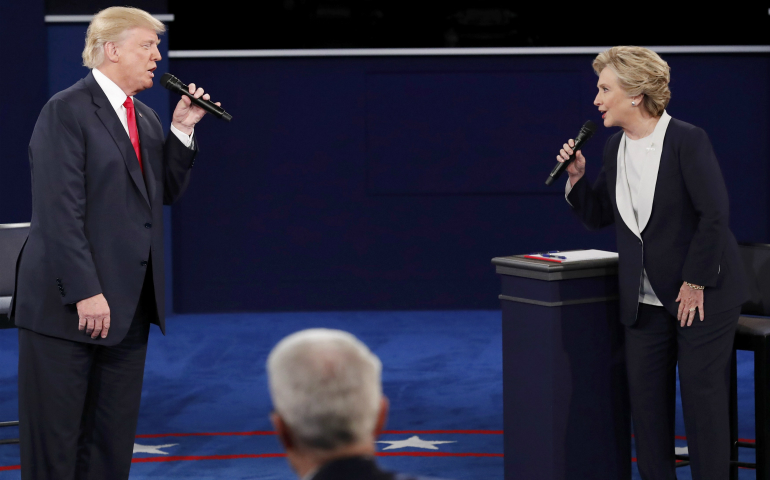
(661, 185)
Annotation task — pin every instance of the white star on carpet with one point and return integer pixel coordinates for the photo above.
(681, 451)
(155, 449)
(415, 442)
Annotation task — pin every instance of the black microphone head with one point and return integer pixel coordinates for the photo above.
(586, 131)
(168, 80)
(589, 127)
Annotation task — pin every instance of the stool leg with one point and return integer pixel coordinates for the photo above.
(734, 417)
(762, 409)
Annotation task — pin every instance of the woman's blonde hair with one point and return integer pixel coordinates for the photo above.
(640, 71)
(110, 25)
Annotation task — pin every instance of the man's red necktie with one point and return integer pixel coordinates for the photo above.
(133, 133)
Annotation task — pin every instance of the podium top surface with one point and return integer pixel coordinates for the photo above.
(518, 266)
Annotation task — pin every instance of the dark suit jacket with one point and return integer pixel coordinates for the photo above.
(358, 468)
(96, 223)
(687, 237)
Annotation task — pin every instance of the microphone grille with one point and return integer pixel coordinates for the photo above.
(588, 126)
(165, 79)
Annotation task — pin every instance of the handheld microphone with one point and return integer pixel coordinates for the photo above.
(586, 132)
(175, 85)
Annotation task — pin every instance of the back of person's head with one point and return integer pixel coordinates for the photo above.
(326, 386)
(111, 25)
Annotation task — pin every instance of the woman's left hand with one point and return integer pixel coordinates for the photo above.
(689, 299)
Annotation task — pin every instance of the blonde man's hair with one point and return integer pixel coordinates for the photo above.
(640, 71)
(110, 25)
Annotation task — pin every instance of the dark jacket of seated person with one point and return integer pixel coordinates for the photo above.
(358, 468)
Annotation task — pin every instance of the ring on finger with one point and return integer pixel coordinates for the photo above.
(692, 309)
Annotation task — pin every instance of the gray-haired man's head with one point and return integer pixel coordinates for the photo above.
(326, 391)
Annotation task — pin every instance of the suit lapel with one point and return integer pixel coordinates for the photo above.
(623, 193)
(650, 175)
(112, 123)
(143, 124)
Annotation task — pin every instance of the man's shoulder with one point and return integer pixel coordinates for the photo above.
(68, 102)
(78, 92)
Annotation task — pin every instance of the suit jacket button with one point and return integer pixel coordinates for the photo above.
(143, 263)
(148, 225)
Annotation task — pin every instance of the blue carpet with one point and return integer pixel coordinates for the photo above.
(205, 394)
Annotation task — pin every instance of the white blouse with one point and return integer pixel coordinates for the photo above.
(635, 157)
(638, 162)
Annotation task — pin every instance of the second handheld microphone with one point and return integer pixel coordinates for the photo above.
(175, 85)
(586, 132)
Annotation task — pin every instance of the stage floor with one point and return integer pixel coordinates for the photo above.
(205, 403)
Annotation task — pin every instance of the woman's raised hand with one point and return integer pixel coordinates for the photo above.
(577, 168)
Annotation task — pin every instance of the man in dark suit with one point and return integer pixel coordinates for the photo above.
(90, 276)
(328, 405)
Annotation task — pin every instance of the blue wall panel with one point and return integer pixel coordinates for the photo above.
(728, 97)
(377, 183)
(22, 95)
(460, 132)
(389, 183)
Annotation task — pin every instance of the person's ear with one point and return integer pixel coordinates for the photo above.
(636, 101)
(282, 431)
(111, 52)
(382, 417)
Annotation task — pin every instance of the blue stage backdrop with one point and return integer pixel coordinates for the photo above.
(22, 95)
(389, 183)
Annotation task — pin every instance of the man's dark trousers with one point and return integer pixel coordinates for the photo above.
(82, 397)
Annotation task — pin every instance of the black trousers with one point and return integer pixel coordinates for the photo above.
(79, 402)
(654, 345)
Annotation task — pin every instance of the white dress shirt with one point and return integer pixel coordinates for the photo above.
(117, 97)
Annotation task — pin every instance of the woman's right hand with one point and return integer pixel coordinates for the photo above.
(577, 168)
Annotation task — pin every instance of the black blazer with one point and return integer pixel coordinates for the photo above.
(96, 223)
(687, 237)
(358, 468)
